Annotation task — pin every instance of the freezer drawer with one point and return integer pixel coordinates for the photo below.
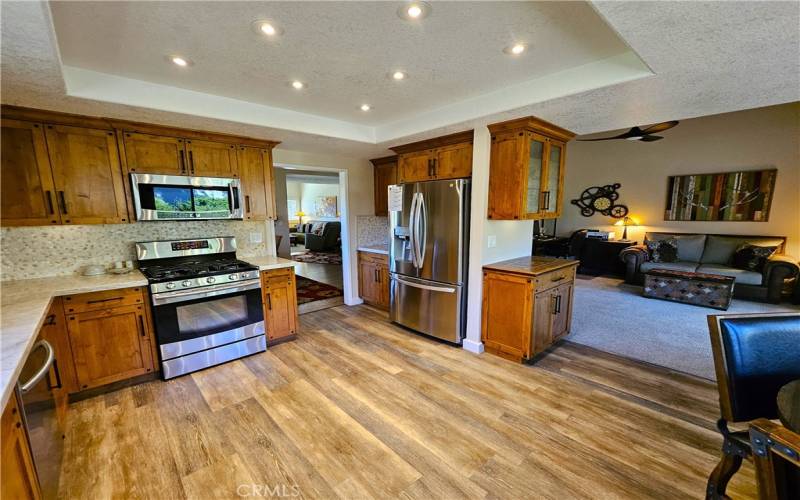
(432, 308)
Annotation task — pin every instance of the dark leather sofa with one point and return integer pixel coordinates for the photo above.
(327, 241)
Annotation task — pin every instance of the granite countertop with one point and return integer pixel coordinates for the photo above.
(269, 262)
(382, 248)
(24, 305)
(531, 266)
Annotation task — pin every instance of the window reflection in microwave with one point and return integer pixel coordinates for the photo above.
(213, 315)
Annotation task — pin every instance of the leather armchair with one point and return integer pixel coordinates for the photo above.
(633, 257)
(778, 269)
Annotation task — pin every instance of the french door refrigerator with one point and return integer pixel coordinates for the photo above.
(428, 251)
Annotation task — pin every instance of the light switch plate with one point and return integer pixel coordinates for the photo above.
(492, 241)
(256, 237)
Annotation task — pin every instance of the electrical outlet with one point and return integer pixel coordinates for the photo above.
(492, 241)
(256, 238)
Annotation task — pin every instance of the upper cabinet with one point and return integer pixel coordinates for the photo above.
(58, 168)
(385, 174)
(526, 173)
(446, 157)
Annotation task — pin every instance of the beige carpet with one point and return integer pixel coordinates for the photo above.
(614, 317)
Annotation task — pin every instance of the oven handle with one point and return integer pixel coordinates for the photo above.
(206, 291)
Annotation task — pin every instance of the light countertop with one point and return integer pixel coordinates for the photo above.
(24, 305)
(382, 248)
(531, 266)
(269, 262)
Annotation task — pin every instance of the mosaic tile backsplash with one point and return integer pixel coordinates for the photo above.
(35, 252)
(371, 230)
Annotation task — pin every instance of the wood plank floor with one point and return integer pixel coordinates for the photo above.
(359, 408)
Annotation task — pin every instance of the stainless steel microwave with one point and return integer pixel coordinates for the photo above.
(178, 197)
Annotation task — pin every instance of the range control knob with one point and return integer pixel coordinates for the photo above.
(245, 275)
(211, 279)
(186, 283)
(233, 277)
(170, 285)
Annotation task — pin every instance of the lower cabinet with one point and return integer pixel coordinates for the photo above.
(278, 287)
(523, 315)
(16, 462)
(373, 279)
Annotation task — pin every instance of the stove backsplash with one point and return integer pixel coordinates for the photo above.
(372, 230)
(35, 252)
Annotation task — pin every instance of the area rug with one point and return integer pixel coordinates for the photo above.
(309, 290)
(319, 257)
(614, 317)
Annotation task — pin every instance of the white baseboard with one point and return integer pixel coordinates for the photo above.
(472, 346)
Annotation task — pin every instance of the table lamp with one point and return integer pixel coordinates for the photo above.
(300, 216)
(625, 222)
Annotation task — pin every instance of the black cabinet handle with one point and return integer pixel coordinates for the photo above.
(98, 301)
(269, 302)
(50, 206)
(553, 300)
(58, 375)
(434, 167)
(247, 203)
(191, 161)
(141, 326)
(183, 161)
(63, 202)
(558, 304)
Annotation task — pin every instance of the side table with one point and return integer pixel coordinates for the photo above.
(602, 256)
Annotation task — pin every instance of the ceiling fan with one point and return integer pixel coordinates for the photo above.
(641, 134)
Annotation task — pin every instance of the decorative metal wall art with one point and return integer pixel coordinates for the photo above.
(601, 199)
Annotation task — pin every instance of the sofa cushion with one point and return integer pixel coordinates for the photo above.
(690, 246)
(742, 276)
(680, 265)
(664, 250)
(720, 249)
(752, 257)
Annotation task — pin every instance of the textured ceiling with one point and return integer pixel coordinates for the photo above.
(707, 58)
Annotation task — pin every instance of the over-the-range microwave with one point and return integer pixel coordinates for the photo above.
(178, 197)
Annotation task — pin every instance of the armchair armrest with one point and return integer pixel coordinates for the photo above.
(633, 257)
(778, 269)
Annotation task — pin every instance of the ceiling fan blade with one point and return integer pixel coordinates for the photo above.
(651, 138)
(660, 127)
(634, 132)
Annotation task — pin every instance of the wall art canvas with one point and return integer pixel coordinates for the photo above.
(326, 206)
(730, 196)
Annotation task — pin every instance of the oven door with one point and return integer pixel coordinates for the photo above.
(190, 321)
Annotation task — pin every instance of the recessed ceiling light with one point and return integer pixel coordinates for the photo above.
(516, 49)
(265, 27)
(298, 84)
(414, 11)
(179, 61)
(399, 75)
(365, 107)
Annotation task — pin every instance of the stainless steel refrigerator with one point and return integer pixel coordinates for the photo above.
(429, 229)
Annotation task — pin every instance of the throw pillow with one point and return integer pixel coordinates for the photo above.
(665, 250)
(318, 228)
(751, 257)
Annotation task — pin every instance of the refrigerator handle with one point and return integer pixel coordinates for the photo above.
(412, 219)
(446, 289)
(422, 218)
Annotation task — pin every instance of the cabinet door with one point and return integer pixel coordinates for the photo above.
(16, 463)
(506, 179)
(544, 304)
(553, 180)
(253, 174)
(506, 321)
(272, 210)
(155, 154)
(28, 195)
(453, 162)
(534, 168)
(383, 284)
(54, 331)
(87, 175)
(212, 159)
(109, 345)
(368, 287)
(562, 316)
(385, 175)
(416, 166)
(280, 306)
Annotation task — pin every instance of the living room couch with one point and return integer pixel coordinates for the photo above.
(319, 236)
(713, 254)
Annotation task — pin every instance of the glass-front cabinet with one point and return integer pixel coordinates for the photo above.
(526, 176)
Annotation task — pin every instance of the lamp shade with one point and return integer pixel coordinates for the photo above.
(300, 214)
(626, 221)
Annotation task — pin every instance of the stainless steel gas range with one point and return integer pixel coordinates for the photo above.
(206, 303)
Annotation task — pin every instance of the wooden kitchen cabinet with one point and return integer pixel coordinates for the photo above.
(212, 159)
(526, 172)
(373, 279)
(258, 183)
(17, 470)
(278, 288)
(446, 157)
(527, 305)
(87, 175)
(154, 154)
(385, 174)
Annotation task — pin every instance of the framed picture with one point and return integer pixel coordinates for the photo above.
(730, 196)
(326, 206)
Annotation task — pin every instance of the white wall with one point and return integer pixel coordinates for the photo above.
(744, 140)
(308, 199)
(358, 201)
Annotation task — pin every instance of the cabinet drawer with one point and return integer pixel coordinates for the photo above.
(102, 300)
(276, 273)
(555, 278)
(377, 258)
